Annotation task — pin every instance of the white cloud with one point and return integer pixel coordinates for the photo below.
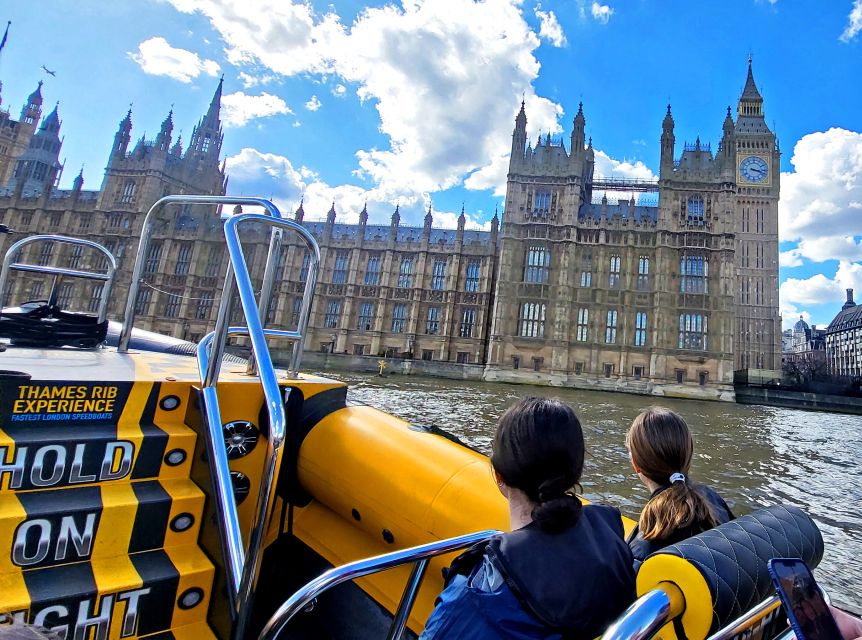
(239, 108)
(549, 28)
(443, 76)
(601, 12)
(822, 198)
(819, 289)
(158, 58)
(280, 35)
(790, 258)
(314, 104)
(854, 22)
(339, 90)
(250, 80)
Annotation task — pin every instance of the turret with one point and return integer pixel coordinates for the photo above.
(123, 136)
(396, 221)
(727, 154)
(462, 220)
(495, 226)
(207, 136)
(177, 149)
(578, 128)
(32, 110)
(429, 219)
(78, 182)
(163, 140)
(667, 144)
(299, 214)
(519, 138)
(363, 219)
(330, 222)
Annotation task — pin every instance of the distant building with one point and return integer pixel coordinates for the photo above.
(807, 348)
(666, 292)
(844, 340)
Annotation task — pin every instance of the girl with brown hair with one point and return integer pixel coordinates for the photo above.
(564, 571)
(660, 447)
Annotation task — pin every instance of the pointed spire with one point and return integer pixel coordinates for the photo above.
(396, 216)
(495, 221)
(177, 149)
(299, 214)
(163, 140)
(590, 144)
(750, 91)
(36, 96)
(52, 121)
(667, 123)
(213, 112)
(429, 219)
(363, 215)
(521, 118)
(78, 182)
(330, 215)
(548, 139)
(462, 219)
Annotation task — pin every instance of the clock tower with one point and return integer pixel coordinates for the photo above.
(756, 172)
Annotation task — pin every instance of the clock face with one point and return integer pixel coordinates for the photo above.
(754, 169)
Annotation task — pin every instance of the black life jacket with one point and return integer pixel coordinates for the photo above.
(576, 582)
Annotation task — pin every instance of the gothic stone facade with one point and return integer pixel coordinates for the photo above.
(667, 297)
(663, 299)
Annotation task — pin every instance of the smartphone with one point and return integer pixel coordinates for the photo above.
(803, 601)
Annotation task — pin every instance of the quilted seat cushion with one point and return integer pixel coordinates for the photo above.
(731, 560)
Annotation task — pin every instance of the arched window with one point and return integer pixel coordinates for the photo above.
(694, 274)
(533, 320)
(537, 265)
(695, 210)
(614, 278)
(128, 195)
(692, 331)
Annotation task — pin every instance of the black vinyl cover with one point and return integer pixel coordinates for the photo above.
(732, 557)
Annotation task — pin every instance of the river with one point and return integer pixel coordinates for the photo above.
(753, 456)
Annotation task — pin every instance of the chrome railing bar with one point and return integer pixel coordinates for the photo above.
(72, 273)
(266, 286)
(643, 618)
(108, 276)
(408, 597)
(233, 550)
(271, 392)
(244, 567)
(353, 570)
(748, 618)
(144, 245)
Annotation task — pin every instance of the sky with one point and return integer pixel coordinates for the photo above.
(412, 103)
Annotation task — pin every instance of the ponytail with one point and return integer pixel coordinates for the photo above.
(680, 506)
(539, 449)
(661, 448)
(557, 507)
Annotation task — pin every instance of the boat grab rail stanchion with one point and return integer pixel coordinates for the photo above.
(243, 567)
(144, 246)
(107, 277)
(420, 556)
(648, 614)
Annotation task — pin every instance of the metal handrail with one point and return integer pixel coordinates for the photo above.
(648, 614)
(420, 555)
(107, 277)
(243, 568)
(144, 246)
(748, 618)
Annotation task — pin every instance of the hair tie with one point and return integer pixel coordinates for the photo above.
(677, 477)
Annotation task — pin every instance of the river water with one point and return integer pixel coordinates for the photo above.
(753, 456)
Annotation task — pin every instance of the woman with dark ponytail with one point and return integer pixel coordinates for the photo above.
(661, 447)
(564, 571)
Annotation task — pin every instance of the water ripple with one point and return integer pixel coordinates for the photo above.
(754, 456)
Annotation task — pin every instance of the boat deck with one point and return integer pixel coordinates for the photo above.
(107, 365)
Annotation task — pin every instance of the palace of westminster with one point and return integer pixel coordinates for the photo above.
(666, 295)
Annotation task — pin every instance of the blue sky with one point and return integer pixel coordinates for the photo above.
(413, 102)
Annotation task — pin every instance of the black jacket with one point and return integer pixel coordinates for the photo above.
(575, 583)
(642, 548)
